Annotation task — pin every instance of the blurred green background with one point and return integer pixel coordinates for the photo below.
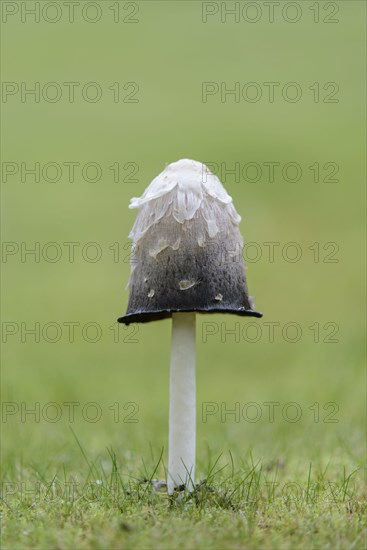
(169, 52)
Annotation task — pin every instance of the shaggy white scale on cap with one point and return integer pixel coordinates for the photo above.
(186, 189)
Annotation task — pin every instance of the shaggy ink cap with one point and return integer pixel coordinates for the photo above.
(187, 248)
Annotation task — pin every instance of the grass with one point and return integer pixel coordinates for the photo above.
(246, 505)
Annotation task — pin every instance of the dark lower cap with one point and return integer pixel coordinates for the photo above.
(206, 278)
(146, 316)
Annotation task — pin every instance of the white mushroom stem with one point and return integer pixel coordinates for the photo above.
(182, 411)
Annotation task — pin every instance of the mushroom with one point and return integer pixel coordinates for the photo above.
(187, 258)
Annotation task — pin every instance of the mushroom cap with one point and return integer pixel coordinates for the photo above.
(187, 248)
